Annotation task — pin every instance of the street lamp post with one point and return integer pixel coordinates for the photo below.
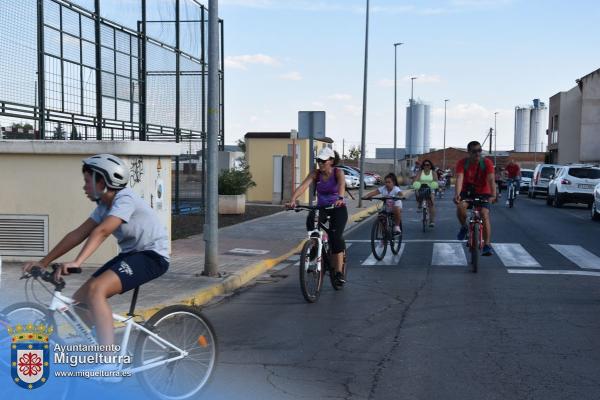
(410, 119)
(495, 141)
(395, 106)
(363, 146)
(444, 163)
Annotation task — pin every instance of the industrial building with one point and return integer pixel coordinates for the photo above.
(417, 128)
(530, 127)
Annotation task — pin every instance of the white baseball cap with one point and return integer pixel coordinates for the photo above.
(325, 154)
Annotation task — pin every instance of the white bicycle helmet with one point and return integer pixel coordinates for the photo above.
(114, 170)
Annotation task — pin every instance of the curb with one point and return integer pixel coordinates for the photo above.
(242, 277)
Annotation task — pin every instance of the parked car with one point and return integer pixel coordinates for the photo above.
(526, 177)
(368, 180)
(541, 177)
(377, 177)
(351, 181)
(596, 203)
(573, 184)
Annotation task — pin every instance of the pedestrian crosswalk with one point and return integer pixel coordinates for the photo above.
(514, 256)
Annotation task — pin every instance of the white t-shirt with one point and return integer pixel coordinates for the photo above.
(395, 192)
(141, 229)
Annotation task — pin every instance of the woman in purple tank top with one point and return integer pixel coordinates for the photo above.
(331, 187)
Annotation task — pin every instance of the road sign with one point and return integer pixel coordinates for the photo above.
(311, 122)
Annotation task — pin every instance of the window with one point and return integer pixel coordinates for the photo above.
(554, 130)
(585, 173)
(547, 172)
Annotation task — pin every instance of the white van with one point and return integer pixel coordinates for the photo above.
(541, 177)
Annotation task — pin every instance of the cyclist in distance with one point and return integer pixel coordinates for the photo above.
(475, 178)
(143, 242)
(390, 189)
(330, 188)
(426, 176)
(513, 171)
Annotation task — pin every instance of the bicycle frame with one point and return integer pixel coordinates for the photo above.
(63, 305)
(475, 217)
(317, 234)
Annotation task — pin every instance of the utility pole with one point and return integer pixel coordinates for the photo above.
(395, 106)
(495, 141)
(211, 233)
(363, 147)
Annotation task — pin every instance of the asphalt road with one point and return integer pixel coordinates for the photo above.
(411, 329)
(421, 326)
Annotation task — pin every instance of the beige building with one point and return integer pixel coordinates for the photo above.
(261, 150)
(42, 196)
(574, 122)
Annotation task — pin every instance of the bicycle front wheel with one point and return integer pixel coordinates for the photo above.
(378, 239)
(187, 329)
(311, 279)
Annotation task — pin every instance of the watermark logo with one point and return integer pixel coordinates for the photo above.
(30, 355)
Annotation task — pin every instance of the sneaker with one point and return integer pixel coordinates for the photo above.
(517, 192)
(339, 277)
(432, 224)
(507, 202)
(397, 229)
(462, 234)
(487, 251)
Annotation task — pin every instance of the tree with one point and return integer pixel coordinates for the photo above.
(27, 132)
(59, 132)
(242, 145)
(74, 134)
(353, 154)
(243, 162)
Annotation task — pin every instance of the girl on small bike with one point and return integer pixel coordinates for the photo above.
(142, 238)
(330, 187)
(426, 176)
(390, 189)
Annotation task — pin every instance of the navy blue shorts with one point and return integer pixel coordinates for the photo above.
(135, 268)
(464, 196)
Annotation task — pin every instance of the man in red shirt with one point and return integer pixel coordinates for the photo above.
(475, 177)
(513, 172)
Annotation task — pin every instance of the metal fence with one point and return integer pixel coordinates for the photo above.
(109, 70)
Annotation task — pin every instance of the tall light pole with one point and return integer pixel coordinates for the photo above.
(410, 118)
(363, 140)
(444, 163)
(395, 106)
(495, 141)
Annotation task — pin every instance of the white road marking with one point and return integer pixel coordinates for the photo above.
(578, 255)
(552, 272)
(411, 241)
(248, 252)
(514, 255)
(448, 254)
(389, 259)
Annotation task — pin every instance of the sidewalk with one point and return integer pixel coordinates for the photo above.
(277, 237)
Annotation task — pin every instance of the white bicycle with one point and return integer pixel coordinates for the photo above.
(175, 352)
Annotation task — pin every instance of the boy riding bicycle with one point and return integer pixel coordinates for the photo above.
(143, 241)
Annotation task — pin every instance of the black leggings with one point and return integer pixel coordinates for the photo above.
(337, 224)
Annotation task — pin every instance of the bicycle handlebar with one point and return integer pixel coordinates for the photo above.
(47, 276)
(383, 198)
(299, 208)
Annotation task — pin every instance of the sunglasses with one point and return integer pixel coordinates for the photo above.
(322, 161)
(427, 165)
(476, 151)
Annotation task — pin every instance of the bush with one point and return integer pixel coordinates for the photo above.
(234, 182)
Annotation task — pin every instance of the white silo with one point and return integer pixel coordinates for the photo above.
(417, 132)
(538, 123)
(522, 127)
(426, 130)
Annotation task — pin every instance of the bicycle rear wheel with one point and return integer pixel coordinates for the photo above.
(396, 240)
(425, 215)
(184, 327)
(474, 247)
(311, 279)
(378, 239)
